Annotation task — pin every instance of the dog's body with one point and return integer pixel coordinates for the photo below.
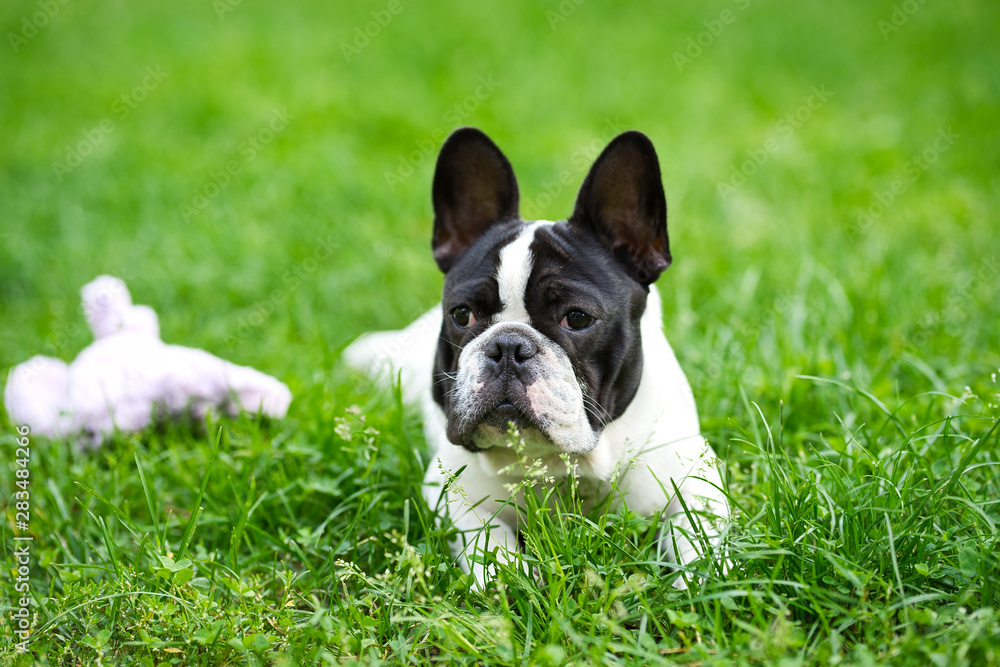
(553, 327)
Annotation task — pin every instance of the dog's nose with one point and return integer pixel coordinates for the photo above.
(510, 350)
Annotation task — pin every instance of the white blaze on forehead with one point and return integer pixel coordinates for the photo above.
(512, 275)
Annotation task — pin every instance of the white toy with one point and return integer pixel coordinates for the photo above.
(128, 375)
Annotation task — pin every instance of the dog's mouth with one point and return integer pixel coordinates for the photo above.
(489, 424)
(506, 414)
(507, 410)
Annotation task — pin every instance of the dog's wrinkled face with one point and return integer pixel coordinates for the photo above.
(540, 319)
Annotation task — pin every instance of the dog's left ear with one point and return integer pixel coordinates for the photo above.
(622, 202)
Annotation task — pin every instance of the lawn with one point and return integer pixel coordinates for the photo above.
(260, 176)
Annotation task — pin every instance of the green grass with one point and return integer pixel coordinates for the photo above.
(844, 366)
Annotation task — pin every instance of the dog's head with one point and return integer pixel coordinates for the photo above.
(541, 319)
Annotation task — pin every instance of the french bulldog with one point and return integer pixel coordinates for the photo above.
(555, 329)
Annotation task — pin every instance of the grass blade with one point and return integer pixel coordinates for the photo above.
(196, 511)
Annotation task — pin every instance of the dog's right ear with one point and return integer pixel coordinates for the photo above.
(474, 187)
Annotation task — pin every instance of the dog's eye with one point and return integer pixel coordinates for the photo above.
(576, 320)
(462, 316)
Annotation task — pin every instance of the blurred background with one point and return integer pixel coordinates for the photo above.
(260, 174)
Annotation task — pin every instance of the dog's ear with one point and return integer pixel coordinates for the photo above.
(474, 187)
(622, 202)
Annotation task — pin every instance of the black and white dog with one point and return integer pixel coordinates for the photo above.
(556, 328)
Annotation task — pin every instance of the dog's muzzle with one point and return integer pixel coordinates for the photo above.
(512, 374)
